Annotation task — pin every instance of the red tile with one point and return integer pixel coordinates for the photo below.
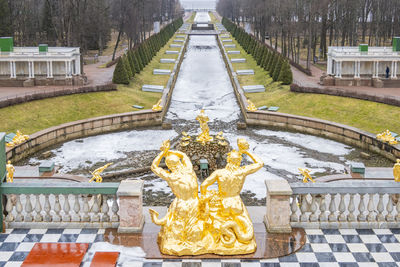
(105, 259)
(56, 255)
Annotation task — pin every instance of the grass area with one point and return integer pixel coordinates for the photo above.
(365, 115)
(38, 115)
(191, 19)
(212, 16)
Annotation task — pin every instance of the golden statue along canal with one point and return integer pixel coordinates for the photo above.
(216, 222)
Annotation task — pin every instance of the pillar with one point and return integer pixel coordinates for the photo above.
(48, 69)
(51, 69)
(12, 70)
(29, 70)
(130, 206)
(277, 218)
(33, 69)
(66, 69)
(395, 70)
(329, 66)
(15, 69)
(357, 68)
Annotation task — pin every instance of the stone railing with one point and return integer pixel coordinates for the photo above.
(350, 204)
(73, 205)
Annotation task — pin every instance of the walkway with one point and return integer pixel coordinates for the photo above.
(347, 247)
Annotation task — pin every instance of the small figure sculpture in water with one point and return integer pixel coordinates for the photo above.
(157, 106)
(218, 222)
(396, 171)
(18, 139)
(306, 175)
(10, 172)
(204, 137)
(251, 106)
(96, 174)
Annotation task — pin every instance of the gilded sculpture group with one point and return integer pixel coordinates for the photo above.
(215, 222)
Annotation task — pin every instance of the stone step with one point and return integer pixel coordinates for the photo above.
(230, 45)
(105, 259)
(238, 60)
(234, 52)
(161, 72)
(180, 36)
(227, 40)
(175, 45)
(245, 72)
(56, 254)
(225, 36)
(179, 41)
(152, 88)
(167, 60)
(254, 88)
(169, 52)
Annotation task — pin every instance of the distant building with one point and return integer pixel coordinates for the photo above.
(42, 65)
(199, 5)
(363, 66)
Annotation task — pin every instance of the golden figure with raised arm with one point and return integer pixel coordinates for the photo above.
(396, 171)
(19, 138)
(10, 172)
(181, 229)
(96, 174)
(251, 106)
(232, 219)
(204, 137)
(157, 106)
(306, 175)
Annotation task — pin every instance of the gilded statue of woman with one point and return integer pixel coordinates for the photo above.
(232, 219)
(181, 229)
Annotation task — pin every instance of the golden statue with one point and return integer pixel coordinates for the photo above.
(396, 171)
(387, 137)
(19, 138)
(306, 175)
(157, 106)
(10, 172)
(204, 137)
(251, 106)
(216, 223)
(96, 173)
(220, 136)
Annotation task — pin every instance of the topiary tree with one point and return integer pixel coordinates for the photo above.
(138, 60)
(127, 66)
(277, 69)
(272, 63)
(120, 75)
(286, 75)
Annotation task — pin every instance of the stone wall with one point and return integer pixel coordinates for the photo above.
(83, 128)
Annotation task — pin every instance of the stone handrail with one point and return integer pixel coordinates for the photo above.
(83, 128)
(350, 204)
(73, 205)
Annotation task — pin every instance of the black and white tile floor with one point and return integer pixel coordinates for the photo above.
(344, 247)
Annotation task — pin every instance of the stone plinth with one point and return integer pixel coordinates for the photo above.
(277, 219)
(130, 206)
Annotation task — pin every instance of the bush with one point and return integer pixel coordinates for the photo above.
(120, 74)
(127, 66)
(286, 75)
(277, 69)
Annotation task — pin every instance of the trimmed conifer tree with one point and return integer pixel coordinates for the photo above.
(272, 63)
(278, 68)
(120, 74)
(262, 58)
(268, 58)
(139, 60)
(286, 75)
(127, 66)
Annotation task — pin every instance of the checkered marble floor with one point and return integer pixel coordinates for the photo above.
(344, 247)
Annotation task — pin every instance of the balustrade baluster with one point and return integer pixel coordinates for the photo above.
(28, 209)
(332, 209)
(9, 208)
(47, 208)
(66, 208)
(104, 209)
(85, 215)
(361, 209)
(18, 208)
(371, 216)
(389, 209)
(380, 208)
(322, 208)
(294, 208)
(314, 207)
(304, 208)
(114, 209)
(351, 217)
(38, 209)
(77, 207)
(95, 209)
(342, 208)
(57, 209)
(398, 208)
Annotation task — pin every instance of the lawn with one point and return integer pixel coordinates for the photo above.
(366, 115)
(41, 114)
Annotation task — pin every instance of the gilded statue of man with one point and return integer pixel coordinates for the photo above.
(204, 137)
(237, 232)
(181, 230)
(10, 172)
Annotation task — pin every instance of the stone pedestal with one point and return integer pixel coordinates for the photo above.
(277, 219)
(130, 206)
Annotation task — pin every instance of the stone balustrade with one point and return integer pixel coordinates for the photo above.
(344, 204)
(70, 205)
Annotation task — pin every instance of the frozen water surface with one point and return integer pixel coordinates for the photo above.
(203, 83)
(202, 17)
